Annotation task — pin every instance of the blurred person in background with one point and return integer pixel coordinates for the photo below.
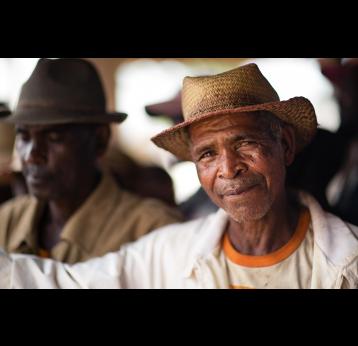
(199, 204)
(343, 188)
(74, 210)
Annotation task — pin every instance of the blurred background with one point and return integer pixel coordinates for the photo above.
(133, 84)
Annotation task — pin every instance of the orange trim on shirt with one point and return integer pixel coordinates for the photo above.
(241, 287)
(44, 253)
(274, 257)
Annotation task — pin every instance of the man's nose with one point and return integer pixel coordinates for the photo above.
(34, 153)
(231, 165)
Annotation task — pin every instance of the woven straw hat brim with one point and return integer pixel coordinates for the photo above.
(39, 116)
(298, 112)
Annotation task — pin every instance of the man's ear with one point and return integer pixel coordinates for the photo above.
(288, 144)
(103, 134)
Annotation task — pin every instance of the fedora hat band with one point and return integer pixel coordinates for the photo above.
(56, 106)
(222, 106)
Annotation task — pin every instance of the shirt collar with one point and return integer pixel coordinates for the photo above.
(208, 239)
(331, 234)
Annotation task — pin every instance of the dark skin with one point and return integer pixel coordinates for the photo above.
(242, 169)
(59, 163)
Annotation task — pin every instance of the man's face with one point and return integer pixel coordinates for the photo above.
(55, 159)
(240, 165)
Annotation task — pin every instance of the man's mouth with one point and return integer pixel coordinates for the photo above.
(35, 174)
(238, 191)
(35, 179)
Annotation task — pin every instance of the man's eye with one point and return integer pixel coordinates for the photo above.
(206, 155)
(245, 144)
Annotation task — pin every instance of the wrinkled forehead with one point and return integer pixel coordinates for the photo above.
(236, 122)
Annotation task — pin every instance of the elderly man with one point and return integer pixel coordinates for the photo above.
(241, 138)
(75, 211)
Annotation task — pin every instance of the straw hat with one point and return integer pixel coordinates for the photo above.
(243, 89)
(63, 91)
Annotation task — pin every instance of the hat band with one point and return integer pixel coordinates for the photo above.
(55, 106)
(200, 108)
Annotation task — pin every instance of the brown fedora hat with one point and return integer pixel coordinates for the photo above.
(170, 108)
(61, 91)
(243, 89)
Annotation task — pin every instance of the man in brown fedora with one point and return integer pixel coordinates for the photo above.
(241, 138)
(75, 210)
(343, 188)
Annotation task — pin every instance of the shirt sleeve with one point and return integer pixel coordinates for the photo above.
(24, 271)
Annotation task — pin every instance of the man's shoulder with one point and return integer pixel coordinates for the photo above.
(14, 215)
(126, 204)
(175, 238)
(172, 250)
(337, 239)
(16, 206)
(132, 198)
(146, 207)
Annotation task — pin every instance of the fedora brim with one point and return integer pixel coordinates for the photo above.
(161, 109)
(33, 116)
(170, 109)
(4, 112)
(298, 112)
